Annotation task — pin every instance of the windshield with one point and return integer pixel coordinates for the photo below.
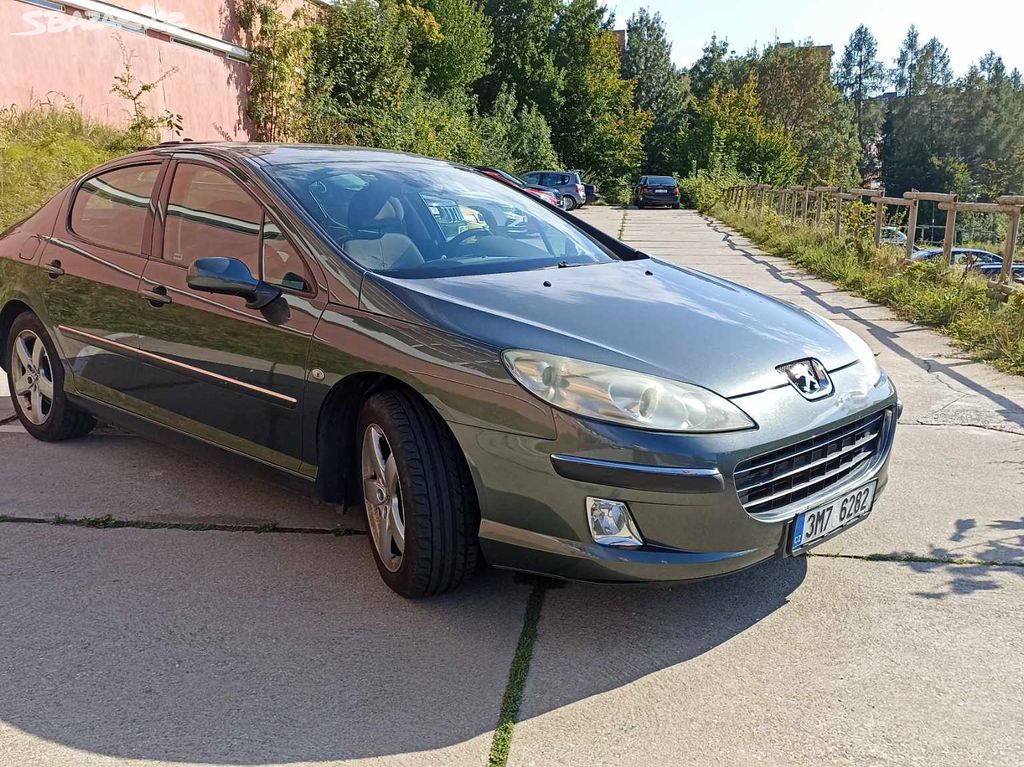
(661, 180)
(409, 220)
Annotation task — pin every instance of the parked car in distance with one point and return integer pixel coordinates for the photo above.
(892, 235)
(421, 340)
(592, 193)
(568, 183)
(656, 190)
(551, 196)
(974, 259)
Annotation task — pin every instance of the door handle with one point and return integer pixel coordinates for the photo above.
(158, 297)
(54, 269)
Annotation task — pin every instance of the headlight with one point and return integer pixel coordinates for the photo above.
(865, 356)
(623, 396)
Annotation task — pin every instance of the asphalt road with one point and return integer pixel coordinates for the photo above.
(233, 644)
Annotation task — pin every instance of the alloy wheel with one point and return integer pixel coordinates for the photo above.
(382, 495)
(32, 376)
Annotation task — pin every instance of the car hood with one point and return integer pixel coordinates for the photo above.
(644, 315)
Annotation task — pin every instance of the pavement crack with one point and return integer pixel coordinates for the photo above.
(513, 698)
(111, 523)
(905, 558)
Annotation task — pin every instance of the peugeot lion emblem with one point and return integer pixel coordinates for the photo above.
(808, 377)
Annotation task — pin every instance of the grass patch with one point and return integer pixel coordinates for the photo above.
(513, 698)
(927, 293)
(43, 148)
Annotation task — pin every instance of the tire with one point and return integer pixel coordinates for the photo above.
(675, 206)
(43, 407)
(425, 492)
(639, 205)
(570, 204)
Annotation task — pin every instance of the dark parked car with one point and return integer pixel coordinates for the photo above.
(592, 193)
(551, 196)
(976, 260)
(568, 183)
(475, 368)
(656, 190)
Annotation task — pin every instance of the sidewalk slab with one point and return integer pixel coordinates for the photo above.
(861, 663)
(204, 648)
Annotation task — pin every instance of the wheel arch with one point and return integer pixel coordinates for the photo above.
(11, 311)
(336, 438)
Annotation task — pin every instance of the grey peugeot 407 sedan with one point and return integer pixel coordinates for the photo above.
(490, 378)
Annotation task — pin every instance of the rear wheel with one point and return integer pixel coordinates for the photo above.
(570, 203)
(36, 378)
(421, 506)
(675, 206)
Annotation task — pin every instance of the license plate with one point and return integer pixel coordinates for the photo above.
(661, 191)
(818, 523)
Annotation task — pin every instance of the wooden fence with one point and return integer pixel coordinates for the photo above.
(807, 204)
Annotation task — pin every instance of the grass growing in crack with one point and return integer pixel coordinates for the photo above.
(906, 557)
(622, 223)
(109, 522)
(927, 293)
(513, 698)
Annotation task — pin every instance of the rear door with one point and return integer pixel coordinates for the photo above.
(216, 369)
(94, 261)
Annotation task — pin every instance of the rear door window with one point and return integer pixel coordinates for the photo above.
(113, 208)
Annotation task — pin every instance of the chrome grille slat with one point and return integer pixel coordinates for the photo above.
(825, 459)
(847, 430)
(851, 464)
(774, 480)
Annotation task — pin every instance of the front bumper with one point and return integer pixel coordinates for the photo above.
(679, 488)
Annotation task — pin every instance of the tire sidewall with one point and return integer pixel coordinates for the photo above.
(59, 405)
(402, 579)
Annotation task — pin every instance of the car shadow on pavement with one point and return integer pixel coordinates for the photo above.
(243, 648)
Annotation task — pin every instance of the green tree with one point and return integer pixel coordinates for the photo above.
(729, 134)
(719, 66)
(658, 89)
(514, 138)
(522, 56)
(359, 70)
(860, 76)
(598, 130)
(797, 96)
(457, 56)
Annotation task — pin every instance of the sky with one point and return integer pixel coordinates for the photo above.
(969, 30)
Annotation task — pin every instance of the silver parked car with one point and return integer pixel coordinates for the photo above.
(567, 182)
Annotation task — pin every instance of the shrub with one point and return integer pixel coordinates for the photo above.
(43, 148)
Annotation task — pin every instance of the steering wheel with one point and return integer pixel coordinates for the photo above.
(462, 237)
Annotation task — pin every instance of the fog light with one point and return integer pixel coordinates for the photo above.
(611, 524)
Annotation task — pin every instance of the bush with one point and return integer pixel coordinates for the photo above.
(924, 292)
(45, 147)
(704, 190)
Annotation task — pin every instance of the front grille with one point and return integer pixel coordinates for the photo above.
(790, 474)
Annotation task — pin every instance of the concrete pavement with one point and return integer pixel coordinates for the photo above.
(171, 646)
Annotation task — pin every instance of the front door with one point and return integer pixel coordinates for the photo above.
(215, 368)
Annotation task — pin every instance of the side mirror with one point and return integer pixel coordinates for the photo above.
(230, 277)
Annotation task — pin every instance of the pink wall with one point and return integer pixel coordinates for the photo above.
(80, 63)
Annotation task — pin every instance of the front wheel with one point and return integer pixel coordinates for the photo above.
(421, 507)
(36, 378)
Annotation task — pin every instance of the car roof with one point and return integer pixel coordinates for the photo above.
(288, 154)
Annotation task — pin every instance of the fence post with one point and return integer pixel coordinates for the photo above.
(821, 206)
(879, 219)
(911, 226)
(792, 212)
(1012, 232)
(807, 199)
(782, 202)
(839, 212)
(950, 234)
